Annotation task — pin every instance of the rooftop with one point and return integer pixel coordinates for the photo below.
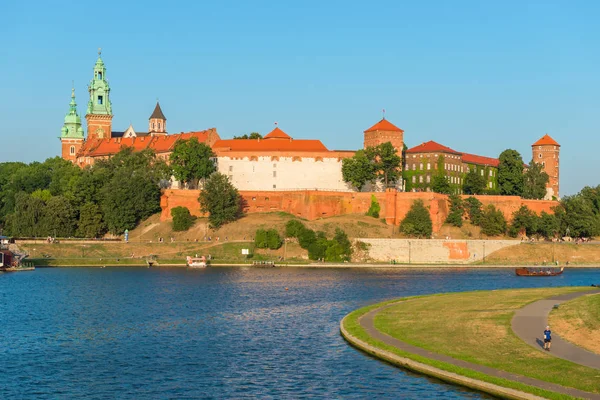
(546, 140)
(432, 146)
(384, 125)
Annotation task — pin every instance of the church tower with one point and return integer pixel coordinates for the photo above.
(99, 110)
(546, 151)
(157, 123)
(71, 134)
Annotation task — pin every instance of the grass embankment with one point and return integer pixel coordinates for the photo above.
(578, 321)
(475, 327)
(539, 252)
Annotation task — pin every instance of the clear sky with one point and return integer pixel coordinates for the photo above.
(477, 76)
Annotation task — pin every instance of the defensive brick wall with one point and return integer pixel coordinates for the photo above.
(312, 204)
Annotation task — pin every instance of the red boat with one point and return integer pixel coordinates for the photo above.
(10, 261)
(539, 271)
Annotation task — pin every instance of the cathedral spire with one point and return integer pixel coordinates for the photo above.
(72, 126)
(99, 90)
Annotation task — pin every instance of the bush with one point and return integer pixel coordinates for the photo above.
(269, 239)
(523, 220)
(493, 222)
(374, 208)
(293, 228)
(182, 219)
(548, 225)
(456, 210)
(306, 237)
(417, 222)
(473, 208)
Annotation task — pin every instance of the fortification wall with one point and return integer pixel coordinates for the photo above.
(433, 251)
(313, 204)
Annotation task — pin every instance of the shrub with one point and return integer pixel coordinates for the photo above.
(456, 210)
(473, 208)
(493, 222)
(267, 239)
(306, 237)
(417, 222)
(523, 220)
(374, 208)
(182, 219)
(293, 228)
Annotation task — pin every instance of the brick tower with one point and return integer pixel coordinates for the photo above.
(99, 110)
(71, 134)
(547, 151)
(385, 131)
(157, 123)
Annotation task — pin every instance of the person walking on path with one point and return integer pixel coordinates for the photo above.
(547, 338)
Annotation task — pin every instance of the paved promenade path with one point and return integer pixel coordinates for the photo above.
(530, 321)
(367, 322)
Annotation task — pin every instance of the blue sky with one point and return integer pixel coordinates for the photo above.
(477, 76)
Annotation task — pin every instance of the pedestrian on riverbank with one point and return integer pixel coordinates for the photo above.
(547, 338)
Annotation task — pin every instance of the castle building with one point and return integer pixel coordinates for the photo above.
(547, 152)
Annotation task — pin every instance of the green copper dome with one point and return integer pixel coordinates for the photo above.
(72, 126)
(99, 89)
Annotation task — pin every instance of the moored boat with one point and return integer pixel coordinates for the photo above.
(196, 262)
(539, 271)
(11, 261)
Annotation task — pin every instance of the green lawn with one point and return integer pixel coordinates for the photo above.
(578, 321)
(475, 327)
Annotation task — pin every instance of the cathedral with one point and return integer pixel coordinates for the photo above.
(278, 161)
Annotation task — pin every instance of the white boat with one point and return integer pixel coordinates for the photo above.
(196, 262)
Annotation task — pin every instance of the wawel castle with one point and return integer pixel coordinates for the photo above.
(278, 161)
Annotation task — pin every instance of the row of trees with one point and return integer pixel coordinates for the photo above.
(337, 249)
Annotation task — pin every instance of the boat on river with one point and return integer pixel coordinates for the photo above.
(12, 261)
(539, 271)
(196, 262)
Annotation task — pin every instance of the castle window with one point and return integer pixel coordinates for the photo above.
(428, 166)
(72, 150)
(428, 178)
(274, 186)
(421, 166)
(420, 178)
(159, 126)
(540, 155)
(100, 75)
(414, 179)
(230, 168)
(490, 185)
(100, 99)
(414, 167)
(481, 172)
(274, 174)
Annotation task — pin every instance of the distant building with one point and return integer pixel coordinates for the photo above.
(547, 152)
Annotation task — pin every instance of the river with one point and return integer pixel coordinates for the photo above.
(136, 333)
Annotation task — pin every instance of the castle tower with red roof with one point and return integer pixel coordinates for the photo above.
(384, 131)
(99, 111)
(546, 151)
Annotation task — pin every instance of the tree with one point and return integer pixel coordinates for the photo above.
(306, 237)
(293, 228)
(578, 217)
(474, 210)
(25, 220)
(90, 224)
(548, 225)
(440, 184)
(274, 240)
(221, 200)
(192, 161)
(535, 181)
(456, 211)
(374, 208)
(253, 135)
(386, 162)
(339, 249)
(417, 222)
(59, 217)
(493, 222)
(182, 219)
(523, 220)
(474, 183)
(510, 173)
(358, 170)
(318, 249)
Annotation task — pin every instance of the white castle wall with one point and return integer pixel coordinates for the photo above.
(284, 173)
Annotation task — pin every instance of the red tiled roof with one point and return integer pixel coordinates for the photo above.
(277, 134)
(259, 145)
(546, 140)
(384, 125)
(431, 146)
(480, 160)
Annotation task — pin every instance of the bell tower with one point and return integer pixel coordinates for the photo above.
(99, 109)
(71, 134)
(546, 151)
(157, 123)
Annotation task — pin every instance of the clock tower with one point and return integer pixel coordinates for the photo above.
(99, 110)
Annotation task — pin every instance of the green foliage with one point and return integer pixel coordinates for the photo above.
(182, 219)
(25, 220)
(473, 207)
(548, 225)
(192, 161)
(523, 220)
(268, 239)
(306, 237)
(91, 224)
(474, 183)
(440, 184)
(510, 173)
(386, 162)
(456, 211)
(492, 222)
(221, 200)
(578, 214)
(358, 170)
(374, 208)
(293, 228)
(318, 249)
(417, 222)
(535, 181)
(253, 135)
(59, 218)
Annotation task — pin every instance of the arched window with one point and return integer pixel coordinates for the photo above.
(159, 126)
(72, 150)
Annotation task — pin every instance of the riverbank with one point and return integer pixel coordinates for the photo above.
(479, 338)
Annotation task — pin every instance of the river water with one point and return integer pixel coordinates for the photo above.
(104, 333)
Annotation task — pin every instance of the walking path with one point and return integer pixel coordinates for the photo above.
(367, 322)
(529, 322)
